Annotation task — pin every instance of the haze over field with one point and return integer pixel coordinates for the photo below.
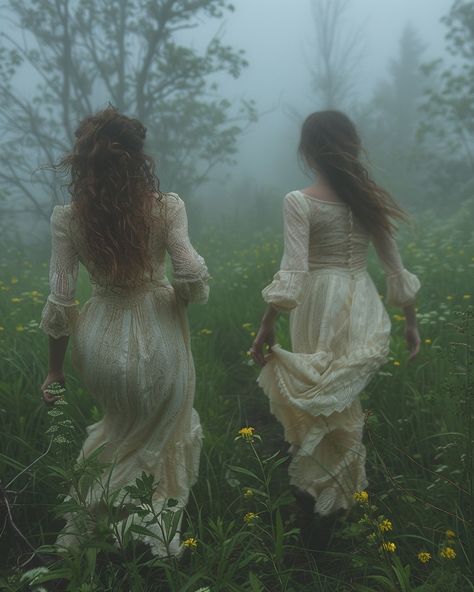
(223, 92)
(282, 48)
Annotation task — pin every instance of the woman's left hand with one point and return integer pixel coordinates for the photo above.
(265, 336)
(48, 397)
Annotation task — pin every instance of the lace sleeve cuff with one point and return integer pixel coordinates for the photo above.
(402, 288)
(57, 320)
(193, 287)
(286, 290)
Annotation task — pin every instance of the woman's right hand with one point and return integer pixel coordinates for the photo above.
(412, 337)
(265, 336)
(52, 388)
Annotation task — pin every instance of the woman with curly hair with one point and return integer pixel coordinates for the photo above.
(339, 327)
(130, 340)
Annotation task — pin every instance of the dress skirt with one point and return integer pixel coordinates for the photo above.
(133, 355)
(340, 337)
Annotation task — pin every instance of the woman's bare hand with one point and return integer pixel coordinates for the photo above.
(412, 337)
(265, 337)
(49, 395)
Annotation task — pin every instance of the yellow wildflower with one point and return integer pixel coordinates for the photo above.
(2, 328)
(190, 543)
(449, 297)
(248, 492)
(250, 517)
(447, 553)
(398, 317)
(385, 525)
(361, 496)
(389, 547)
(450, 534)
(20, 328)
(15, 300)
(205, 332)
(247, 432)
(247, 326)
(467, 296)
(428, 341)
(424, 556)
(396, 363)
(14, 280)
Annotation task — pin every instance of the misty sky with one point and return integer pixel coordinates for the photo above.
(277, 37)
(277, 34)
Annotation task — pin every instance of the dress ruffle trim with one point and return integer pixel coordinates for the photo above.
(58, 320)
(175, 470)
(315, 398)
(402, 288)
(286, 290)
(329, 461)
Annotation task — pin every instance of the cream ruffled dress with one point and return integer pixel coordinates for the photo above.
(131, 347)
(340, 335)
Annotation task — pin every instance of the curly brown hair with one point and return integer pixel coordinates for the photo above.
(113, 186)
(331, 146)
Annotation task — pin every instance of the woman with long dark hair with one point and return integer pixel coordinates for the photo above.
(339, 327)
(130, 340)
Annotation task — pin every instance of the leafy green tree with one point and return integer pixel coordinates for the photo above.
(78, 55)
(449, 107)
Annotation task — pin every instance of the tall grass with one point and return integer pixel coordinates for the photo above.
(248, 531)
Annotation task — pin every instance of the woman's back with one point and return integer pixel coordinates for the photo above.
(168, 233)
(336, 238)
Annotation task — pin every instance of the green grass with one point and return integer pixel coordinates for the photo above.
(419, 436)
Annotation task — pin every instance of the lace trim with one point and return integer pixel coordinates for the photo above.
(184, 453)
(58, 320)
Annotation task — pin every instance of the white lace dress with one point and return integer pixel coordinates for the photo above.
(131, 348)
(340, 336)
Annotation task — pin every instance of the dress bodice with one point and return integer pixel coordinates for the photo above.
(322, 235)
(336, 237)
(169, 234)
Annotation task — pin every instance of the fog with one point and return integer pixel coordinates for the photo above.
(279, 41)
(278, 38)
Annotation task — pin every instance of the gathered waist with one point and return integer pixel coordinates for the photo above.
(347, 272)
(128, 294)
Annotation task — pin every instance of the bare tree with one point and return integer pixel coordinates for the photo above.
(337, 50)
(82, 54)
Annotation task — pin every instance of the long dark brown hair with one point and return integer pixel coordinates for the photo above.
(113, 185)
(331, 146)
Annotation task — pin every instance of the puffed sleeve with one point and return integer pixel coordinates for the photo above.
(60, 311)
(286, 290)
(190, 274)
(402, 285)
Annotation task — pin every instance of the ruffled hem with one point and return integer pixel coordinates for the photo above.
(402, 288)
(329, 461)
(286, 290)
(328, 455)
(175, 471)
(58, 320)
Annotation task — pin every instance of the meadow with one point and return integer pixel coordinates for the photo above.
(413, 530)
